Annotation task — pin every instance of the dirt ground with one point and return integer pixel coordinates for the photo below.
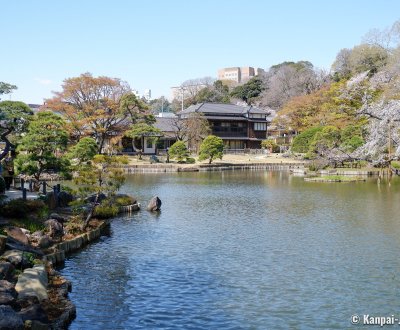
(227, 159)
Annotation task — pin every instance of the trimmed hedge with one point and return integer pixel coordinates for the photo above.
(301, 143)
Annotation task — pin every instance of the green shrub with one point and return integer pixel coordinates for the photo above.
(313, 167)
(268, 144)
(17, 208)
(31, 225)
(124, 200)
(106, 210)
(301, 143)
(179, 151)
(190, 160)
(2, 185)
(211, 148)
(396, 164)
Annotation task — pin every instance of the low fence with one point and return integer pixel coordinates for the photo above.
(246, 152)
(31, 185)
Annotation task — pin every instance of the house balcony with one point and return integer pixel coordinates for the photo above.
(229, 132)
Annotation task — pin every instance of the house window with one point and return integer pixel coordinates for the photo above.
(260, 126)
(149, 144)
(256, 115)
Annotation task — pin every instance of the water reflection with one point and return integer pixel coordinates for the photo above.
(243, 250)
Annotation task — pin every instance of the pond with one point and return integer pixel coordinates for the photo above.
(242, 250)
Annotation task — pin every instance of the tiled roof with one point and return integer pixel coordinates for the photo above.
(222, 108)
(166, 124)
(34, 107)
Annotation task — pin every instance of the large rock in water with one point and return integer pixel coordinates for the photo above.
(17, 234)
(154, 204)
(9, 319)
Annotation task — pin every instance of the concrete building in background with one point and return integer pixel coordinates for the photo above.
(239, 74)
(147, 94)
(136, 93)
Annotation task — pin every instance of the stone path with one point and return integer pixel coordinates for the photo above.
(14, 194)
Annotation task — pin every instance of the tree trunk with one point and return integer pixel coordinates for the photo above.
(3, 137)
(89, 216)
(101, 142)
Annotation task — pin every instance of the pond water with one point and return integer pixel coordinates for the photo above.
(243, 250)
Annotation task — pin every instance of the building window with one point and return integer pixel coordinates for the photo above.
(257, 115)
(232, 144)
(149, 144)
(260, 126)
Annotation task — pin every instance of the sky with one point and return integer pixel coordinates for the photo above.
(158, 44)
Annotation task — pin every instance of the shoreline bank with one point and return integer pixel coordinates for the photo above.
(172, 168)
(38, 297)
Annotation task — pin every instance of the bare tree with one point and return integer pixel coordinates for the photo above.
(198, 129)
(191, 87)
(284, 81)
(387, 39)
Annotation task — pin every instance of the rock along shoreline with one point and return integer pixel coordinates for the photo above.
(39, 298)
(33, 294)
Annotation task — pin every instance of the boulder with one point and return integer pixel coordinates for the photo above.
(6, 270)
(56, 228)
(51, 200)
(13, 256)
(6, 286)
(57, 217)
(44, 242)
(154, 204)
(27, 301)
(8, 294)
(64, 198)
(36, 235)
(15, 245)
(17, 234)
(34, 312)
(36, 325)
(25, 231)
(33, 282)
(3, 241)
(7, 298)
(9, 319)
